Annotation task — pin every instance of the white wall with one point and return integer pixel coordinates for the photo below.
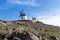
(24, 18)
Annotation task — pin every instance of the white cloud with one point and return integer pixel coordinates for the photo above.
(53, 20)
(26, 2)
(52, 17)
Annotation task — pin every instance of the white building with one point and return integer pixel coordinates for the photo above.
(34, 19)
(23, 16)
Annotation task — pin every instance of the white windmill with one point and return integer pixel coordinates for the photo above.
(23, 15)
(34, 19)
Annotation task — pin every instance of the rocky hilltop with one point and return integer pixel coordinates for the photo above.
(28, 30)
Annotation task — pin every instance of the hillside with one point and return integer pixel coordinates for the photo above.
(39, 30)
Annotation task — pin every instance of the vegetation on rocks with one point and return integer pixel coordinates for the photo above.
(28, 30)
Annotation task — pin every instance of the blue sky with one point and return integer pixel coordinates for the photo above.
(47, 11)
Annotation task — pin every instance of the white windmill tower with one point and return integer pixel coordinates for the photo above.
(23, 15)
(34, 19)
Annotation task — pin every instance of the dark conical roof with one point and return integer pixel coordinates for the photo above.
(23, 14)
(33, 18)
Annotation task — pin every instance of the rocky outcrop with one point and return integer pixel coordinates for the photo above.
(20, 36)
(27, 30)
(34, 37)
